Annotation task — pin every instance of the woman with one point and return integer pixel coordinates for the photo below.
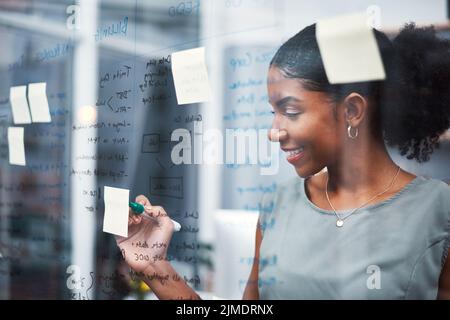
(365, 228)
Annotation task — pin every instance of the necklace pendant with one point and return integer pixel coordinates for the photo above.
(339, 223)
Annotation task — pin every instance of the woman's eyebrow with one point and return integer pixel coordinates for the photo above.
(282, 102)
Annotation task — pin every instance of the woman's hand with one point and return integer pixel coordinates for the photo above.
(148, 239)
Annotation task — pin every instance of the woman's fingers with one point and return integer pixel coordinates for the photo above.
(156, 213)
(133, 218)
(160, 215)
(136, 219)
(143, 200)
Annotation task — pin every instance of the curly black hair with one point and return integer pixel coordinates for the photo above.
(412, 103)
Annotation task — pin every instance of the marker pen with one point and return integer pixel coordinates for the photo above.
(139, 209)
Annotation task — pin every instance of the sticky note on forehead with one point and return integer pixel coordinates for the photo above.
(115, 220)
(349, 49)
(190, 76)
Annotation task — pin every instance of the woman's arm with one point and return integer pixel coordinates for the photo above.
(165, 282)
(444, 281)
(145, 251)
(251, 290)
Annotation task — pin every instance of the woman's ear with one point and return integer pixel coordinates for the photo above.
(355, 109)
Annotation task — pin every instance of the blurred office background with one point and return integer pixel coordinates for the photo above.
(113, 106)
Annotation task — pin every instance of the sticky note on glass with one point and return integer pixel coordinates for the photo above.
(16, 146)
(19, 105)
(190, 76)
(349, 49)
(37, 97)
(115, 220)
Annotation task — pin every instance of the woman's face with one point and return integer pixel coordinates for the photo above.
(308, 128)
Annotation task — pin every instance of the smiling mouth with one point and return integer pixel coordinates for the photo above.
(294, 155)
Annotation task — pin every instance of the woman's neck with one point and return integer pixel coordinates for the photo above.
(361, 171)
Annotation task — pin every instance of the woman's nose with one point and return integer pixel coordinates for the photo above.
(277, 135)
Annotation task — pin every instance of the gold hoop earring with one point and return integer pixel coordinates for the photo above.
(349, 132)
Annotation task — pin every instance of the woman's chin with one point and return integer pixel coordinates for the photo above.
(304, 172)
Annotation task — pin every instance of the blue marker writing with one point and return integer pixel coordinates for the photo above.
(139, 209)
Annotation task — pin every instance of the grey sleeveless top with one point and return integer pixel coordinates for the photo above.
(394, 249)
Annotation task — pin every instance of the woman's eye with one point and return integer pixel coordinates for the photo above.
(288, 114)
(291, 115)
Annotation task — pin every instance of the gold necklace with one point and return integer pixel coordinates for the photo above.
(340, 221)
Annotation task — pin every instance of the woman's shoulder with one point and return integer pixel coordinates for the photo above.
(284, 191)
(293, 184)
(431, 186)
(298, 187)
(435, 195)
(273, 203)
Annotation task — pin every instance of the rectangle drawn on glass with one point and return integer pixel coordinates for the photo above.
(171, 187)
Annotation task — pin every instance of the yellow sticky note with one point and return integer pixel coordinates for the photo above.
(37, 97)
(16, 146)
(115, 220)
(349, 49)
(190, 76)
(19, 105)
